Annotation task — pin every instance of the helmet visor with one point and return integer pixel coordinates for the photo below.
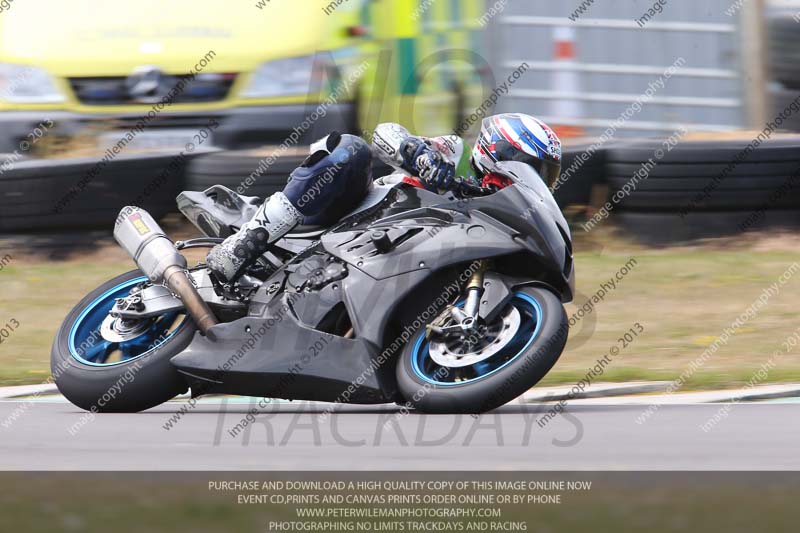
(549, 171)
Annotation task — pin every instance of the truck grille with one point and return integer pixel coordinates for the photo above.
(114, 90)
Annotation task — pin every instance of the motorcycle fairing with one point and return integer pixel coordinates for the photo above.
(390, 256)
(280, 358)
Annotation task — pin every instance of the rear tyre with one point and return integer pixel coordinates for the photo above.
(521, 361)
(130, 376)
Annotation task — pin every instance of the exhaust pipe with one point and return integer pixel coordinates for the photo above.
(155, 255)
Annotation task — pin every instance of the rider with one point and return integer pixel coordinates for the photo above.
(333, 180)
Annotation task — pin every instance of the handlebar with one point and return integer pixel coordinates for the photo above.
(462, 188)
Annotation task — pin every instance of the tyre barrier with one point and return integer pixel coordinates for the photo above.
(699, 188)
(704, 188)
(784, 49)
(581, 169)
(40, 194)
(255, 172)
(782, 98)
(670, 228)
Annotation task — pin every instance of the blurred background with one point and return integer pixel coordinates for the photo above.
(98, 102)
(118, 103)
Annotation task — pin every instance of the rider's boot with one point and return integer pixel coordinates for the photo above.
(274, 219)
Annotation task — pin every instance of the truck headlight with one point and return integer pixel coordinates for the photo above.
(282, 77)
(27, 85)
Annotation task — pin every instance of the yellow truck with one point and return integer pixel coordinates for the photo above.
(261, 69)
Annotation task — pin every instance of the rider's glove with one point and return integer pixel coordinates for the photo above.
(427, 164)
(435, 170)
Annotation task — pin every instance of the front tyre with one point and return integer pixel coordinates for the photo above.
(521, 347)
(128, 375)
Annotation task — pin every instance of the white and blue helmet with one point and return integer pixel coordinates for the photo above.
(517, 137)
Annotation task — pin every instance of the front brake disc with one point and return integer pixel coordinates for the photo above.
(459, 350)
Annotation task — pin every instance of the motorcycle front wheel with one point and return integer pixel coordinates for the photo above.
(130, 373)
(513, 353)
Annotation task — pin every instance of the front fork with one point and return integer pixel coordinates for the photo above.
(466, 319)
(474, 292)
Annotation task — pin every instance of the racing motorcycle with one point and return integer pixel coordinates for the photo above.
(445, 303)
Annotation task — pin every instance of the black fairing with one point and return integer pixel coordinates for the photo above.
(375, 273)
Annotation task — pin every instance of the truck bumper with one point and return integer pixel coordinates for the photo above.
(240, 127)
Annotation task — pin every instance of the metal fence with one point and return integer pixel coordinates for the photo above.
(618, 54)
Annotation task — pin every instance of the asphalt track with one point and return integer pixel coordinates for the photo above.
(53, 435)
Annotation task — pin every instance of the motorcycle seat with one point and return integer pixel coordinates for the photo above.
(306, 231)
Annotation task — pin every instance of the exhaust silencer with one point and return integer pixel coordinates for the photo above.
(155, 255)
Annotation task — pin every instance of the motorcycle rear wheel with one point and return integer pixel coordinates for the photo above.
(128, 376)
(520, 362)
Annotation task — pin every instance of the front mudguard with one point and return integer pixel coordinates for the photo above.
(498, 289)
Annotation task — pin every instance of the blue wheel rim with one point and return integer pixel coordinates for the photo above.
(87, 346)
(427, 370)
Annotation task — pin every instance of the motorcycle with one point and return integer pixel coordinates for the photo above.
(444, 303)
